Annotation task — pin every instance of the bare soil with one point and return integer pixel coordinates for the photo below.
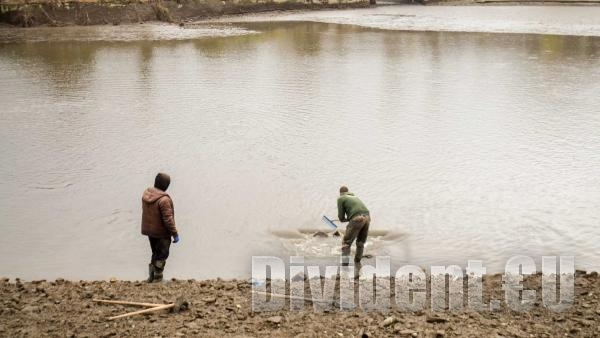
(219, 308)
(122, 12)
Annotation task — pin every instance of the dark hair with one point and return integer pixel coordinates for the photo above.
(162, 181)
(343, 189)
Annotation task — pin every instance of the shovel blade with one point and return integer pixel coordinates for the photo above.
(329, 222)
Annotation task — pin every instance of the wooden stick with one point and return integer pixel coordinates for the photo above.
(126, 303)
(154, 309)
(277, 295)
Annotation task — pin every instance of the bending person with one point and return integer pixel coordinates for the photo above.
(351, 209)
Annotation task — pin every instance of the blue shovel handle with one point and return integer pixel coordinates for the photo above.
(329, 222)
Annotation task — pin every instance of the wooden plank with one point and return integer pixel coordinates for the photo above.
(154, 309)
(122, 302)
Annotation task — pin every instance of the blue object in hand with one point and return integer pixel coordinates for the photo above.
(329, 222)
(175, 238)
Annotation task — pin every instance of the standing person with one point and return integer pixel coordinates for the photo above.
(352, 209)
(158, 223)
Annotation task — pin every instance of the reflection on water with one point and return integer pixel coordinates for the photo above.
(473, 146)
(129, 33)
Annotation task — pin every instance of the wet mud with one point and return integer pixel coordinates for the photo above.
(218, 308)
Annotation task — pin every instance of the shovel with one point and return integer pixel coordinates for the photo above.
(329, 222)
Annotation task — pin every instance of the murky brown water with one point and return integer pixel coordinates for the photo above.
(472, 146)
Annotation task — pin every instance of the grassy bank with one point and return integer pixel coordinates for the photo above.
(223, 308)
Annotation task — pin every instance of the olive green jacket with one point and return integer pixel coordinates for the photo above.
(350, 206)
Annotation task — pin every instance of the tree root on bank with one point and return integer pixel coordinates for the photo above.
(25, 18)
(162, 12)
(52, 22)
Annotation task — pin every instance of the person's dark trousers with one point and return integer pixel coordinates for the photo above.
(160, 253)
(357, 229)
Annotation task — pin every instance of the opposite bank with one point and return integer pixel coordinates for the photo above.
(25, 13)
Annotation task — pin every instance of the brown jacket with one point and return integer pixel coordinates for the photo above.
(158, 218)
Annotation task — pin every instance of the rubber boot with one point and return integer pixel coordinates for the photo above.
(345, 254)
(150, 273)
(357, 270)
(159, 266)
(360, 247)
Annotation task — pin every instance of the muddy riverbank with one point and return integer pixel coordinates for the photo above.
(115, 12)
(47, 13)
(223, 308)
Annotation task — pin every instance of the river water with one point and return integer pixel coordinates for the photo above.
(463, 145)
